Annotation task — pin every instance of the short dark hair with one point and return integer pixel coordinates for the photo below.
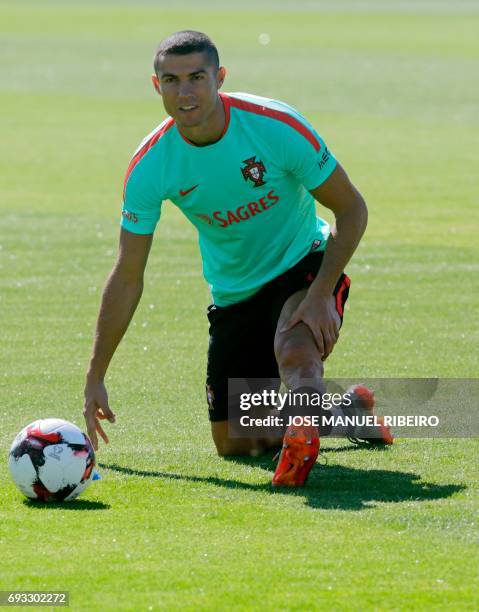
(184, 43)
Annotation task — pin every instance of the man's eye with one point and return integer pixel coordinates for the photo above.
(198, 77)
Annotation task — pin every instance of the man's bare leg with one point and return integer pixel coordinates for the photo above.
(296, 351)
(300, 364)
(298, 359)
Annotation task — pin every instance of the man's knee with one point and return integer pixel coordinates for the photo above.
(226, 446)
(295, 354)
(236, 447)
(232, 450)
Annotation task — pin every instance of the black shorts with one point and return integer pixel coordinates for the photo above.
(242, 335)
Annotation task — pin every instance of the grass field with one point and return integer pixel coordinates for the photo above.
(392, 87)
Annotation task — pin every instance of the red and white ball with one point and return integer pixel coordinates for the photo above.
(52, 460)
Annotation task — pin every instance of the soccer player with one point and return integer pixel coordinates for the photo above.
(246, 171)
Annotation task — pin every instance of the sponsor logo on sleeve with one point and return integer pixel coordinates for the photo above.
(130, 216)
(325, 157)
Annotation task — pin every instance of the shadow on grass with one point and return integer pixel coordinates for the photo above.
(328, 487)
(76, 504)
(365, 446)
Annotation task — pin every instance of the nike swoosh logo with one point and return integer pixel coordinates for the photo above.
(184, 192)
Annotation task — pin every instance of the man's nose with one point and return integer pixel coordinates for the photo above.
(184, 89)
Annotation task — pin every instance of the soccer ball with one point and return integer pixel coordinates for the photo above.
(51, 460)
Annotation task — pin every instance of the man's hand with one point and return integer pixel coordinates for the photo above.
(318, 308)
(120, 298)
(320, 315)
(96, 408)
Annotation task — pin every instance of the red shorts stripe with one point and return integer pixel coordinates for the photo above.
(276, 114)
(339, 295)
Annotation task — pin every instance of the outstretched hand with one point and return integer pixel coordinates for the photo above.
(320, 315)
(96, 409)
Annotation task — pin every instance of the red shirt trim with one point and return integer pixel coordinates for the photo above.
(145, 148)
(258, 109)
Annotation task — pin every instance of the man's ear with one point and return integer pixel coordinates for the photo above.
(156, 83)
(220, 76)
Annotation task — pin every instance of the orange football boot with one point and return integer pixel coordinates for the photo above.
(298, 455)
(366, 401)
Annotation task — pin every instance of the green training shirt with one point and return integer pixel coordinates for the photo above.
(247, 194)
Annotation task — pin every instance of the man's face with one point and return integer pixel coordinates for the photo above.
(189, 86)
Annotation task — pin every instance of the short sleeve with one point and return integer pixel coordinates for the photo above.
(307, 157)
(141, 201)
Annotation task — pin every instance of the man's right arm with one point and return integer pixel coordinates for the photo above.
(121, 296)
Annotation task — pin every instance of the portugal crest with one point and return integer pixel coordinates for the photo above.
(254, 171)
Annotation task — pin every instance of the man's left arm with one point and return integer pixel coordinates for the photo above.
(317, 309)
(339, 195)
